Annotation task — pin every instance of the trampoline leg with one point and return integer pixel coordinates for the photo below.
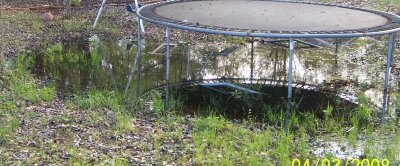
(252, 61)
(188, 64)
(336, 46)
(290, 81)
(389, 60)
(137, 58)
(168, 31)
(181, 56)
(99, 13)
(138, 79)
(139, 50)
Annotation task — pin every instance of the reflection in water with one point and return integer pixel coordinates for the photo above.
(107, 65)
(309, 65)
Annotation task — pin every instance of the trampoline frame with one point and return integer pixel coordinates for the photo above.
(237, 32)
(292, 37)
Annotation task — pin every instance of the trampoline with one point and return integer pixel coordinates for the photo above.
(290, 20)
(260, 18)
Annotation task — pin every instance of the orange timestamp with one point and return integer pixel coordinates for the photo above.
(338, 162)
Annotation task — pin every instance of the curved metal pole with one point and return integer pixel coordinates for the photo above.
(137, 58)
(139, 20)
(290, 81)
(168, 35)
(392, 39)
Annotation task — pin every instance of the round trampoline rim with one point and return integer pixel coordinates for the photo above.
(273, 35)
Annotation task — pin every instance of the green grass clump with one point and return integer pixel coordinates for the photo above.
(220, 142)
(97, 99)
(158, 103)
(20, 88)
(98, 103)
(394, 3)
(74, 2)
(23, 86)
(78, 157)
(8, 126)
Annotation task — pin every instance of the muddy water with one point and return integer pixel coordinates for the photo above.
(357, 67)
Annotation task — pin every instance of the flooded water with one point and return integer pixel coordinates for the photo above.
(322, 76)
(357, 67)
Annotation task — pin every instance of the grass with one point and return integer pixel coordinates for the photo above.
(216, 140)
(158, 103)
(394, 3)
(25, 21)
(21, 88)
(382, 4)
(24, 86)
(74, 2)
(8, 127)
(303, 143)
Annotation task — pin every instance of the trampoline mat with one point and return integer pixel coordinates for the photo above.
(258, 15)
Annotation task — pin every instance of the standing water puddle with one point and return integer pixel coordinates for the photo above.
(356, 68)
(78, 63)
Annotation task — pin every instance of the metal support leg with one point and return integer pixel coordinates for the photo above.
(188, 64)
(168, 31)
(392, 39)
(181, 56)
(137, 58)
(99, 13)
(252, 61)
(290, 81)
(138, 78)
(336, 46)
(336, 53)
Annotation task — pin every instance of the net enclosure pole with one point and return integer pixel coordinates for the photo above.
(168, 36)
(290, 81)
(139, 20)
(137, 58)
(140, 29)
(389, 61)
